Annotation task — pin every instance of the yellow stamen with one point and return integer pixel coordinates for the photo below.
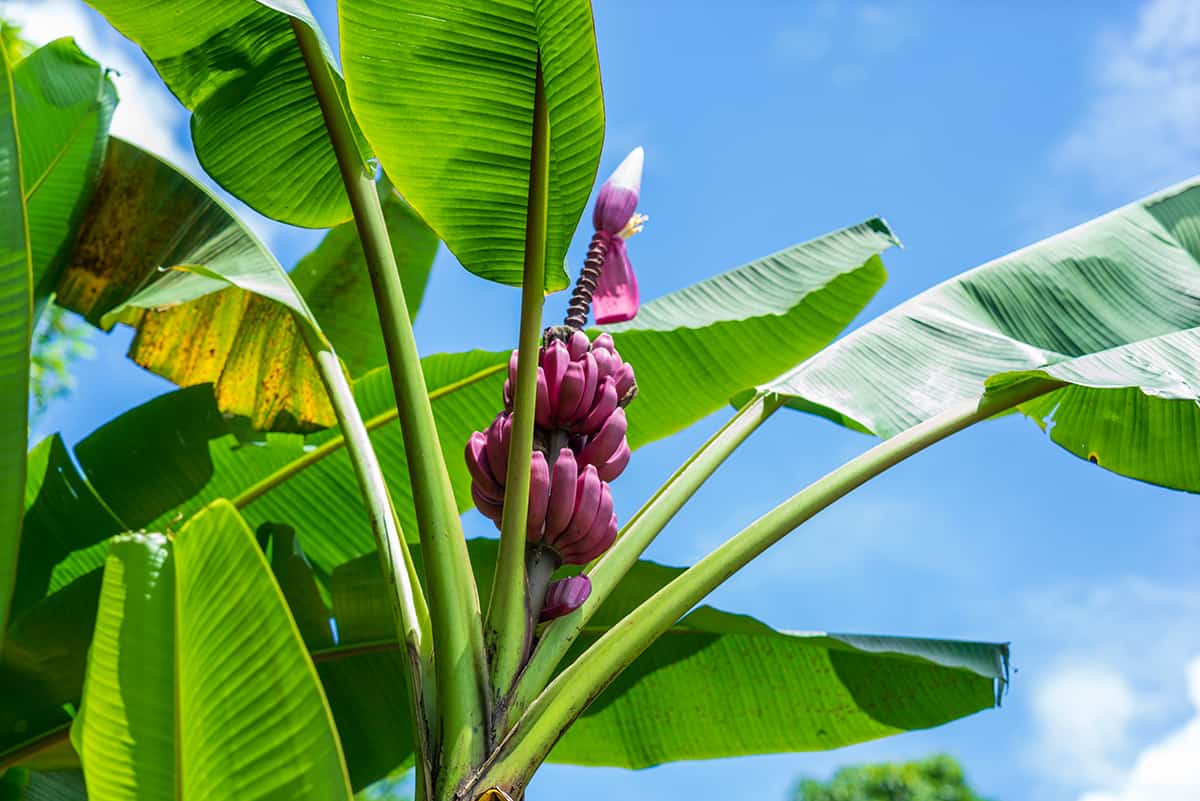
(635, 225)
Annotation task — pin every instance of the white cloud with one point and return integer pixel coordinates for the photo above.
(1109, 621)
(1141, 129)
(1116, 684)
(1165, 770)
(883, 28)
(802, 43)
(1083, 713)
(829, 31)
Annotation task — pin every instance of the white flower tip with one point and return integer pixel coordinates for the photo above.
(628, 174)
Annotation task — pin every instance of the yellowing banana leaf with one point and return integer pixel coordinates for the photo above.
(211, 304)
(334, 281)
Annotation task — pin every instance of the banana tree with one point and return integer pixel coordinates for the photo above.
(259, 586)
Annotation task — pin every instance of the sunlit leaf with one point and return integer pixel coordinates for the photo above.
(444, 93)
(228, 705)
(65, 102)
(16, 326)
(1111, 308)
(256, 125)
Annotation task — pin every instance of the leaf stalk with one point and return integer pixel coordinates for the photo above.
(461, 666)
(569, 694)
(409, 610)
(607, 571)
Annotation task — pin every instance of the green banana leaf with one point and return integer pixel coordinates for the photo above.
(716, 685)
(63, 514)
(334, 281)
(444, 93)
(210, 303)
(1110, 308)
(16, 323)
(65, 103)
(866, 687)
(20, 784)
(57, 105)
(294, 574)
(256, 125)
(41, 676)
(161, 461)
(228, 703)
(694, 349)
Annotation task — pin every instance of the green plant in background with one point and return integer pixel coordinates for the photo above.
(258, 585)
(58, 342)
(937, 778)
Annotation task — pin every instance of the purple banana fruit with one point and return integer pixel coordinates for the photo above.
(539, 493)
(565, 596)
(588, 492)
(581, 549)
(563, 476)
(611, 436)
(579, 384)
(606, 404)
(481, 474)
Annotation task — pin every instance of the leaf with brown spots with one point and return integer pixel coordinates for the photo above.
(211, 304)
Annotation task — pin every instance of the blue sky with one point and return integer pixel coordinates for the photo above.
(974, 130)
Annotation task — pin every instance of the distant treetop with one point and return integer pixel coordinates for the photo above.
(938, 778)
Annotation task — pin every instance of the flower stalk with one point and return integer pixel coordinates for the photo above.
(607, 277)
(508, 620)
(541, 469)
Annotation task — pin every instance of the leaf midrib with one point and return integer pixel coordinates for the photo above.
(55, 161)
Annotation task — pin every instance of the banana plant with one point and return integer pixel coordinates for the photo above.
(259, 586)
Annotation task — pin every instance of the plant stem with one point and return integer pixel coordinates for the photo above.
(572, 690)
(409, 611)
(637, 535)
(461, 667)
(507, 631)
